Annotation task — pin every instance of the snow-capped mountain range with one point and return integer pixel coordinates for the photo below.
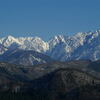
(25, 43)
(63, 48)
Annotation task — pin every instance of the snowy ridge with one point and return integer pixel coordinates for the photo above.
(78, 46)
(27, 43)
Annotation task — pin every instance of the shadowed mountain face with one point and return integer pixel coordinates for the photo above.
(68, 84)
(95, 66)
(61, 84)
(74, 80)
(23, 57)
(2, 49)
(33, 72)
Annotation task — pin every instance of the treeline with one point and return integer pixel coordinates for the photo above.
(23, 96)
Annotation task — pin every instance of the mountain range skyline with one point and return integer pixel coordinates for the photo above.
(46, 18)
(80, 46)
(25, 35)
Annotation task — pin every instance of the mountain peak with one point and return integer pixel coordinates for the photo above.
(59, 38)
(10, 37)
(82, 45)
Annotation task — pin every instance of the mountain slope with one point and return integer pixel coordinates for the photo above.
(67, 83)
(23, 57)
(25, 43)
(78, 46)
(2, 49)
(63, 48)
(36, 71)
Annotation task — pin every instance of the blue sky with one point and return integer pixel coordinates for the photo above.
(46, 18)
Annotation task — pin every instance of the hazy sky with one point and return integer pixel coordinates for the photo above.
(47, 18)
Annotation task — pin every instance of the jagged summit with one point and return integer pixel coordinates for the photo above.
(9, 36)
(82, 45)
(27, 43)
(78, 46)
